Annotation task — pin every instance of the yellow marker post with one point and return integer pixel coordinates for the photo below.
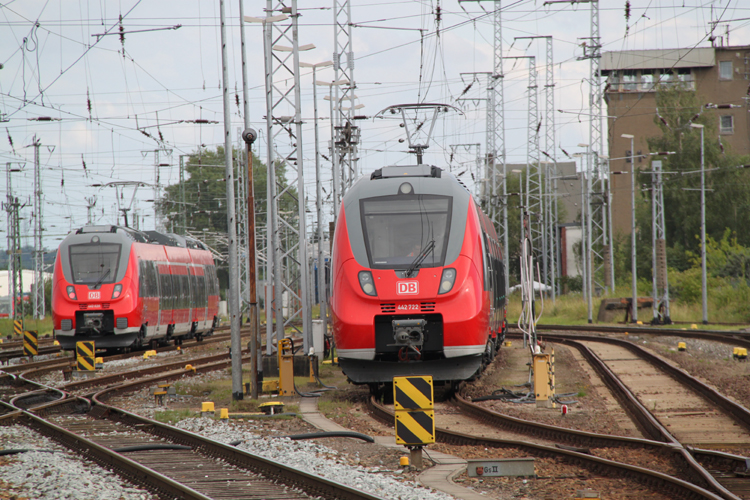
(18, 327)
(30, 343)
(415, 416)
(85, 356)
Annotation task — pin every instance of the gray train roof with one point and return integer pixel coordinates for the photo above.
(425, 179)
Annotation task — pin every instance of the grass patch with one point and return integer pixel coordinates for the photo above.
(173, 416)
(333, 408)
(214, 389)
(42, 326)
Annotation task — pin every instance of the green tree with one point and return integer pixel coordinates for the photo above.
(727, 202)
(205, 197)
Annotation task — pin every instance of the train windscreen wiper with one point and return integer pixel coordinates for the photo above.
(102, 278)
(420, 258)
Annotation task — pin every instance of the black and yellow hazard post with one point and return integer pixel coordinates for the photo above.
(17, 327)
(286, 368)
(30, 343)
(542, 380)
(415, 416)
(85, 356)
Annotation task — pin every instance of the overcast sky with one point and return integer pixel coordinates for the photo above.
(102, 94)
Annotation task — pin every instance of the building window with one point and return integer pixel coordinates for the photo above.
(725, 70)
(685, 77)
(666, 77)
(647, 79)
(628, 80)
(726, 124)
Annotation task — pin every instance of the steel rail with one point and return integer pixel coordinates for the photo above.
(657, 480)
(640, 414)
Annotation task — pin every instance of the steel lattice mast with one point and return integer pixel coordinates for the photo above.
(600, 249)
(497, 174)
(659, 247)
(38, 241)
(289, 263)
(549, 200)
(346, 133)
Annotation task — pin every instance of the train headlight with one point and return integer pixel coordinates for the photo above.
(367, 283)
(71, 291)
(405, 188)
(117, 291)
(447, 280)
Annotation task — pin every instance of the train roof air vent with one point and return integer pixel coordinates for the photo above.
(406, 171)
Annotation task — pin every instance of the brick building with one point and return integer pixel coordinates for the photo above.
(719, 75)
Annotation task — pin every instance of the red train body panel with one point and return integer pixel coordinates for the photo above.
(123, 288)
(438, 310)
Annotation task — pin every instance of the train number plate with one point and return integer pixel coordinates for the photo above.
(407, 307)
(95, 295)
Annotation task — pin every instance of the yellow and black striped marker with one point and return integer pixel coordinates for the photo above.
(415, 417)
(412, 393)
(18, 327)
(30, 343)
(85, 356)
(415, 427)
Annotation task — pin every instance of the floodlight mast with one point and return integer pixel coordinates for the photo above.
(411, 136)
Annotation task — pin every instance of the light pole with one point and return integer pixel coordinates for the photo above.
(588, 280)
(322, 298)
(634, 305)
(704, 287)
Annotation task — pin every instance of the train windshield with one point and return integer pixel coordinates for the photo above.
(94, 263)
(398, 228)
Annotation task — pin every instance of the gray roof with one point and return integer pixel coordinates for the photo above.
(658, 58)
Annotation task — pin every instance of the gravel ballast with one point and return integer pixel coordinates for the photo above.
(56, 473)
(313, 458)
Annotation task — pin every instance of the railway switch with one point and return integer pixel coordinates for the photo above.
(286, 368)
(681, 346)
(542, 372)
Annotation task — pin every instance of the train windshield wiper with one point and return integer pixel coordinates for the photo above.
(420, 258)
(102, 278)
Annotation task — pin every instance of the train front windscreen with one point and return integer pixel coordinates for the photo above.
(399, 228)
(94, 263)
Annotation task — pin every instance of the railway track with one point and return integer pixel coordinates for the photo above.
(715, 474)
(167, 461)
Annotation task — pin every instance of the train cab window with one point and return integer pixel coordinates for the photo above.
(398, 228)
(94, 263)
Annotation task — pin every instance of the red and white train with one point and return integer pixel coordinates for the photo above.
(418, 282)
(124, 288)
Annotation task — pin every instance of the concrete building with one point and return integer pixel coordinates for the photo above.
(569, 214)
(719, 75)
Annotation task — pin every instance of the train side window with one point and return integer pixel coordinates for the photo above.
(202, 290)
(142, 279)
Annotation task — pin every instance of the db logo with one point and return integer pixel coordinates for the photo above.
(407, 287)
(95, 295)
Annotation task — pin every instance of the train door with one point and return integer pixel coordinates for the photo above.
(191, 294)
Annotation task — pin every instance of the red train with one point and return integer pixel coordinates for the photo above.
(418, 279)
(125, 289)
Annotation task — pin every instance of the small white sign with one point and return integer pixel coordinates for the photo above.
(95, 295)
(407, 287)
